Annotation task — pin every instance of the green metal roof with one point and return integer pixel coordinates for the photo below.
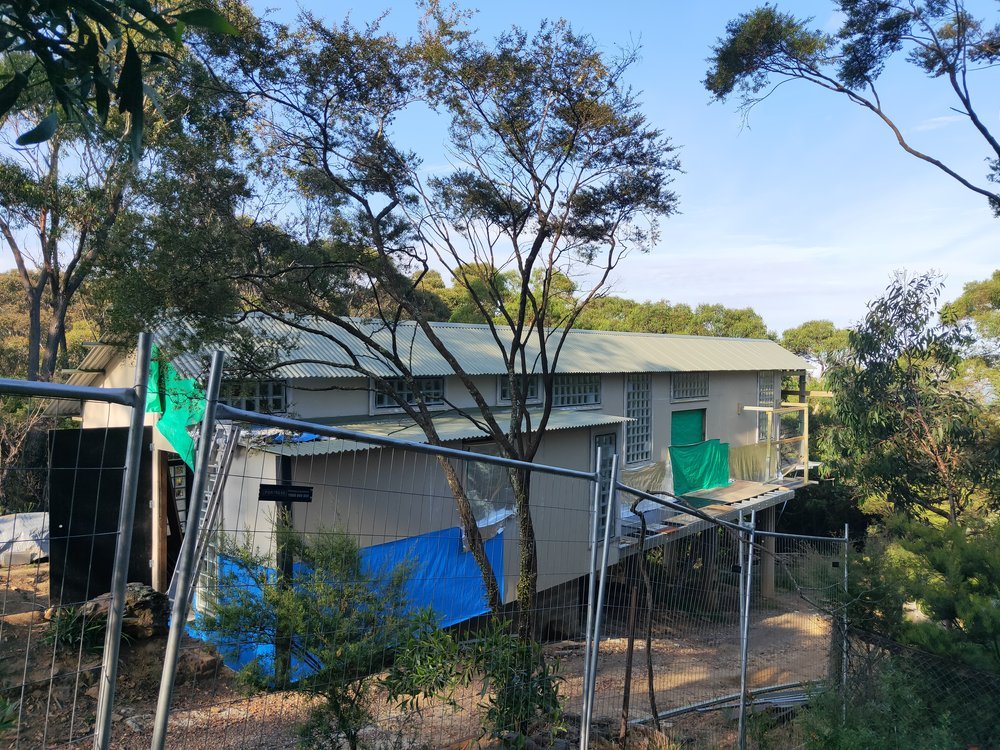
(450, 427)
(331, 352)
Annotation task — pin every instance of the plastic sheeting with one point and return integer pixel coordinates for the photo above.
(181, 402)
(24, 538)
(700, 466)
(443, 577)
(749, 462)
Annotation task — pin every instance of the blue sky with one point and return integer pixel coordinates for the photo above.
(803, 213)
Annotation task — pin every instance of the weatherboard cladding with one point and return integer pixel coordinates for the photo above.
(328, 355)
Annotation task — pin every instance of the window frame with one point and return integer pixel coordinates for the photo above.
(568, 382)
(702, 375)
(391, 405)
(639, 410)
(534, 383)
(239, 397)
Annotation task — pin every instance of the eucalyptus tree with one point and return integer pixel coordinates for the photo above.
(554, 175)
(766, 47)
(69, 205)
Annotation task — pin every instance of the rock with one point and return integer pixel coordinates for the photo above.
(140, 723)
(198, 664)
(93, 691)
(145, 615)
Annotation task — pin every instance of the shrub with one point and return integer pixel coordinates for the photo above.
(72, 629)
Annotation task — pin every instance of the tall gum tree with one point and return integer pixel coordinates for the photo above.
(554, 175)
(764, 48)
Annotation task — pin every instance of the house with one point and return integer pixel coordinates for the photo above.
(640, 395)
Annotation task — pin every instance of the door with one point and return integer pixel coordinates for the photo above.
(687, 426)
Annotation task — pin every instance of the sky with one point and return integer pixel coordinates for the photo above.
(802, 212)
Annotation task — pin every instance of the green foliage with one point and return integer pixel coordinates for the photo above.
(519, 688)
(341, 620)
(71, 629)
(80, 56)
(764, 48)
(906, 435)
(980, 303)
(818, 340)
(951, 574)
(9, 710)
(890, 711)
(620, 314)
(823, 509)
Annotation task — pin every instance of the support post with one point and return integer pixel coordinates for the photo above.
(844, 640)
(599, 612)
(591, 594)
(123, 548)
(746, 575)
(186, 564)
(768, 555)
(283, 525)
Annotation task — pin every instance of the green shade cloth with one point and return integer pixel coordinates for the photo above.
(180, 401)
(701, 466)
(687, 427)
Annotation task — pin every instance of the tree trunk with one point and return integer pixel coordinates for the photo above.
(527, 582)
(473, 535)
(56, 335)
(34, 333)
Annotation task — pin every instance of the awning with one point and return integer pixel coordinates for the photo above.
(450, 427)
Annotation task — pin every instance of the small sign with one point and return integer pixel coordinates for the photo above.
(285, 493)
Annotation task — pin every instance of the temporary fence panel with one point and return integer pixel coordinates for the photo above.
(63, 593)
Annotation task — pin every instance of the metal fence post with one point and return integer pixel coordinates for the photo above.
(598, 614)
(747, 576)
(591, 593)
(844, 643)
(179, 611)
(123, 548)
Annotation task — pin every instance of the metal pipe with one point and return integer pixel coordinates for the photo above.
(123, 547)
(746, 575)
(224, 411)
(591, 593)
(121, 396)
(178, 614)
(599, 614)
(844, 643)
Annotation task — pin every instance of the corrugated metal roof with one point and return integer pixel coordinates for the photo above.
(331, 352)
(450, 427)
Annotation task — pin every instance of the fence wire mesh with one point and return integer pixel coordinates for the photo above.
(322, 594)
(60, 491)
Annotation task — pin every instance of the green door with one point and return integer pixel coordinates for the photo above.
(687, 426)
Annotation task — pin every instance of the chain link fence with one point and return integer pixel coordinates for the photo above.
(318, 551)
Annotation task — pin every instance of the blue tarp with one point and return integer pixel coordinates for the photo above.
(443, 577)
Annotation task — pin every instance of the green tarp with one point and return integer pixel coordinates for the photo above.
(700, 466)
(181, 403)
(687, 426)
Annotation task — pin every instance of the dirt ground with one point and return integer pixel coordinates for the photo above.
(693, 661)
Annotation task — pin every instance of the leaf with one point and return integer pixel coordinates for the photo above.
(12, 90)
(41, 132)
(205, 18)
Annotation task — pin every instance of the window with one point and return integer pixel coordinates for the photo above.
(488, 486)
(576, 390)
(688, 386)
(604, 448)
(765, 397)
(530, 388)
(430, 389)
(638, 407)
(266, 396)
